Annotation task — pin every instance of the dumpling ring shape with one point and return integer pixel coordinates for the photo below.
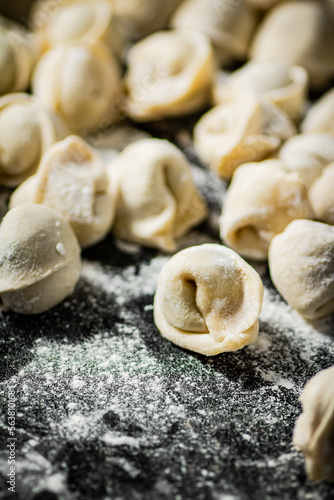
(208, 300)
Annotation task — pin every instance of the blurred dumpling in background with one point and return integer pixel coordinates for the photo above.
(19, 51)
(308, 155)
(27, 129)
(240, 131)
(320, 117)
(283, 85)
(77, 20)
(83, 82)
(321, 195)
(157, 200)
(170, 73)
(299, 33)
(229, 25)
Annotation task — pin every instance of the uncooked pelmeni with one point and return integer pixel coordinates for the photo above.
(321, 195)
(308, 154)
(170, 73)
(39, 259)
(27, 129)
(301, 262)
(240, 131)
(72, 179)
(307, 41)
(283, 85)
(229, 25)
(208, 300)
(157, 201)
(19, 51)
(314, 429)
(260, 202)
(320, 117)
(81, 81)
(262, 4)
(74, 20)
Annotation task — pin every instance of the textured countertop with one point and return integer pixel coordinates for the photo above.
(108, 409)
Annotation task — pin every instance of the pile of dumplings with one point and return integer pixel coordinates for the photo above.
(83, 66)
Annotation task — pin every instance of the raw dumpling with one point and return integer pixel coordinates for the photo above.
(170, 73)
(308, 154)
(262, 4)
(240, 131)
(283, 85)
(301, 262)
(228, 25)
(208, 300)
(299, 33)
(84, 20)
(320, 117)
(314, 430)
(158, 201)
(72, 180)
(142, 17)
(27, 129)
(321, 195)
(260, 202)
(82, 81)
(39, 259)
(18, 54)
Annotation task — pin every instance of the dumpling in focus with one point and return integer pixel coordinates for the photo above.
(240, 131)
(320, 117)
(299, 33)
(208, 300)
(229, 25)
(314, 429)
(301, 262)
(261, 201)
(158, 201)
(83, 82)
(321, 195)
(169, 74)
(308, 155)
(39, 259)
(27, 129)
(283, 85)
(72, 180)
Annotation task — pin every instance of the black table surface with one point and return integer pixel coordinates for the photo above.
(108, 409)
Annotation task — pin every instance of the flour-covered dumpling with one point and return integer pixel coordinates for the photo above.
(39, 259)
(81, 81)
(84, 20)
(170, 73)
(260, 202)
(72, 179)
(157, 201)
(320, 117)
(19, 51)
(240, 131)
(308, 154)
(314, 430)
(283, 85)
(229, 25)
(139, 18)
(27, 129)
(208, 300)
(299, 33)
(321, 195)
(301, 262)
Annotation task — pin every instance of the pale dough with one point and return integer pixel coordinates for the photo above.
(320, 117)
(208, 300)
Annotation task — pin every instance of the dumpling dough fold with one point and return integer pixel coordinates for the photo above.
(314, 430)
(320, 118)
(157, 200)
(208, 300)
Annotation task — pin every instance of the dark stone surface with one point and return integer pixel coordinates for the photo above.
(108, 409)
